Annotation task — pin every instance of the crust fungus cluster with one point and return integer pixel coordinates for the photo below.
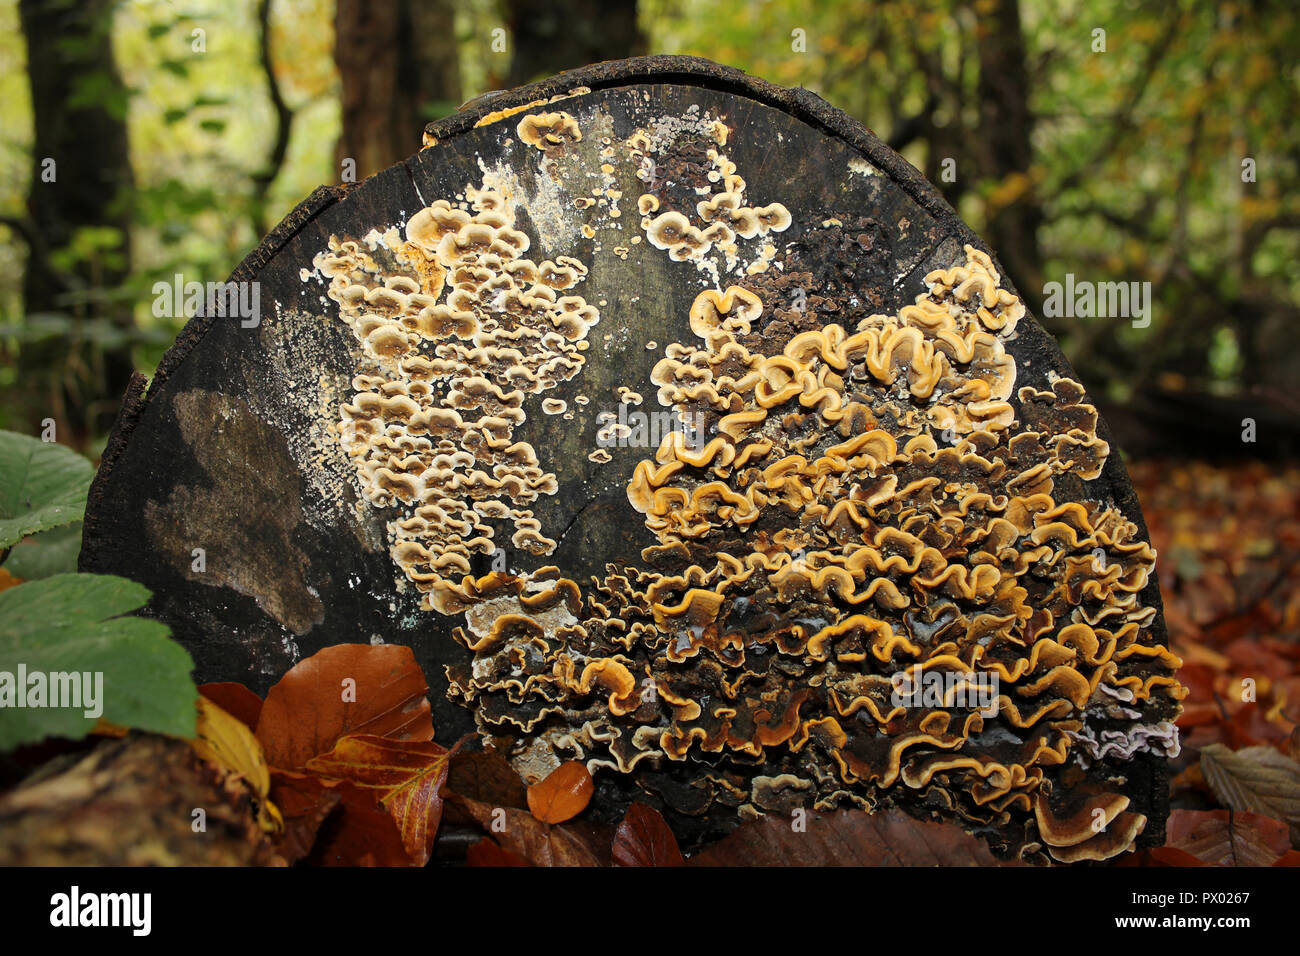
(864, 504)
(868, 506)
(430, 425)
(723, 212)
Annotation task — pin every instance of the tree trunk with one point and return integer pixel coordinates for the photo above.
(452, 432)
(399, 68)
(1004, 145)
(69, 48)
(549, 37)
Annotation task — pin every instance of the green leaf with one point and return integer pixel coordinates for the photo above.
(74, 623)
(47, 554)
(42, 485)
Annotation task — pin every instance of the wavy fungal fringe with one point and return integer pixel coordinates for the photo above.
(866, 504)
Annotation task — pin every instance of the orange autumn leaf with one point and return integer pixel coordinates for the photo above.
(405, 776)
(7, 580)
(235, 699)
(359, 833)
(486, 853)
(345, 689)
(305, 802)
(563, 794)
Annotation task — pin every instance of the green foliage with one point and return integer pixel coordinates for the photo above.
(42, 485)
(67, 622)
(76, 623)
(47, 554)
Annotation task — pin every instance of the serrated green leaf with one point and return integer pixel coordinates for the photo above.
(74, 622)
(47, 554)
(42, 485)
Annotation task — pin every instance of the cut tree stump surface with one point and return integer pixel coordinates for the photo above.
(458, 334)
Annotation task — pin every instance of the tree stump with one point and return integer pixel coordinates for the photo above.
(680, 427)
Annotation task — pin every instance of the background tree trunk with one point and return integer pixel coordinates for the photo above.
(70, 51)
(553, 36)
(1005, 149)
(398, 63)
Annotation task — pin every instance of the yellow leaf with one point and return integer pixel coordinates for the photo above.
(227, 742)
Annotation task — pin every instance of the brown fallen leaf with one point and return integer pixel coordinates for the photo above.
(235, 699)
(848, 838)
(348, 688)
(1257, 780)
(1161, 856)
(644, 839)
(486, 776)
(564, 793)
(541, 844)
(405, 775)
(224, 740)
(486, 853)
(1221, 838)
(7, 580)
(305, 801)
(359, 833)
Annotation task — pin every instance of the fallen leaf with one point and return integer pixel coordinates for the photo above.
(1221, 838)
(1256, 779)
(406, 776)
(848, 838)
(359, 833)
(345, 689)
(487, 853)
(226, 741)
(7, 580)
(487, 776)
(564, 793)
(235, 699)
(541, 844)
(1161, 856)
(305, 801)
(644, 839)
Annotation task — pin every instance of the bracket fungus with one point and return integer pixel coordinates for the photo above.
(883, 555)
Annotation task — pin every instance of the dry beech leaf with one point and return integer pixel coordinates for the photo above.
(848, 838)
(304, 802)
(644, 839)
(406, 777)
(487, 776)
(1161, 856)
(359, 833)
(226, 741)
(541, 844)
(563, 794)
(235, 699)
(1220, 838)
(486, 853)
(311, 707)
(1256, 780)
